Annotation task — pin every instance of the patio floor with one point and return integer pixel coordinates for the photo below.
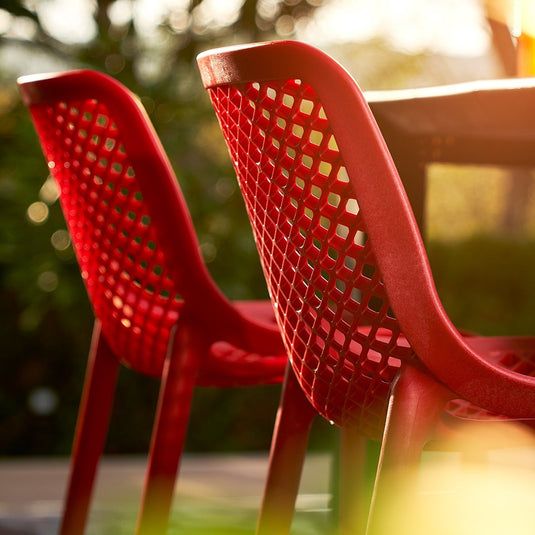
(31, 490)
(225, 490)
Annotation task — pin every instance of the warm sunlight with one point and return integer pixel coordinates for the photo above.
(527, 17)
(480, 491)
(519, 15)
(57, 17)
(453, 27)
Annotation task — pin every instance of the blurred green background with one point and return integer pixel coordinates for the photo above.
(151, 47)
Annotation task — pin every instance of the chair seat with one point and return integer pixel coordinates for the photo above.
(516, 354)
(139, 330)
(231, 366)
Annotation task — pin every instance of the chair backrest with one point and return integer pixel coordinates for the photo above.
(129, 224)
(342, 253)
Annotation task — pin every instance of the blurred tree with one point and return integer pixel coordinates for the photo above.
(151, 48)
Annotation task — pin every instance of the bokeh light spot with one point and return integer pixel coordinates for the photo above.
(48, 281)
(37, 213)
(43, 401)
(61, 240)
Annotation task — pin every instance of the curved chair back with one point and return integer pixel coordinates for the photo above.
(130, 227)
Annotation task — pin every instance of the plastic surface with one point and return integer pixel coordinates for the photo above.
(157, 309)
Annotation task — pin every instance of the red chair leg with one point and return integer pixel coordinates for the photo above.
(91, 430)
(288, 450)
(169, 433)
(416, 403)
(354, 501)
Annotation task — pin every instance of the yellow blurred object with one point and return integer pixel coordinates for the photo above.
(504, 11)
(525, 55)
(464, 496)
(519, 16)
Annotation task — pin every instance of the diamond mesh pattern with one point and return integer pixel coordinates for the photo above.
(116, 247)
(344, 343)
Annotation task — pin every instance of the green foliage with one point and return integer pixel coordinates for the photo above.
(486, 283)
(45, 325)
(215, 519)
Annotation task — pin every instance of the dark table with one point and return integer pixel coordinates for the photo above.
(485, 122)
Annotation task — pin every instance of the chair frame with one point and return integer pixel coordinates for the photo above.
(448, 365)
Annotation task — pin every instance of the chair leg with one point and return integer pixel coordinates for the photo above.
(356, 463)
(288, 449)
(169, 433)
(416, 403)
(91, 430)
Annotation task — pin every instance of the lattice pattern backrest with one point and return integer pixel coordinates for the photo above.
(322, 275)
(115, 243)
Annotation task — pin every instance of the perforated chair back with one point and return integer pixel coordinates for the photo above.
(343, 256)
(120, 258)
(322, 272)
(131, 230)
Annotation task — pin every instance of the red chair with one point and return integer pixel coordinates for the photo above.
(157, 309)
(368, 339)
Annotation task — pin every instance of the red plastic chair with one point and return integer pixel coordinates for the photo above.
(157, 309)
(368, 339)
